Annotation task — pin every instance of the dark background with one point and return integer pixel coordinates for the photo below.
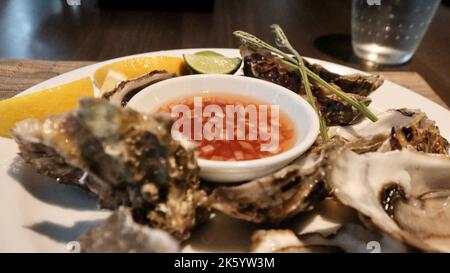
(99, 30)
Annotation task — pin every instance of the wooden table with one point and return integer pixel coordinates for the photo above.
(52, 30)
(18, 75)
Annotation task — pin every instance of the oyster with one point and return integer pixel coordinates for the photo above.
(350, 238)
(335, 111)
(283, 240)
(119, 233)
(301, 184)
(37, 151)
(123, 93)
(127, 158)
(262, 64)
(421, 134)
(358, 84)
(386, 121)
(405, 194)
(396, 130)
(274, 198)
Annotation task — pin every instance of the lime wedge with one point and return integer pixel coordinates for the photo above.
(208, 53)
(212, 64)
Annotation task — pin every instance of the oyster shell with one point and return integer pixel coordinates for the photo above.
(119, 233)
(358, 84)
(421, 134)
(129, 159)
(350, 238)
(283, 241)
(262, 64)
(274, 198)
(335, 111)
(301, 184)
(396, 130)
(386, 120)
(404, 194)
(125, 90)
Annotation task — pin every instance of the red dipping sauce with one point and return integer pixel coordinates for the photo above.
(237, 148)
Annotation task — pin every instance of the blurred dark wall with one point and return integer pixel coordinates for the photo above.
(159, 5)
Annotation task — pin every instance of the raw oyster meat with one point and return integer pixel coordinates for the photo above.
(274, 198)
(119, 233)
(404, 194)
(127, 158)
(125, 90)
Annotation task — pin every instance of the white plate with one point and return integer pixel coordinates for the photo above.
(39, 215)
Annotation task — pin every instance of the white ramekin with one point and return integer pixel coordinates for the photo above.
(292, 105)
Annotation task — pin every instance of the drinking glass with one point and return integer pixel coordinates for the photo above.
(389, 31)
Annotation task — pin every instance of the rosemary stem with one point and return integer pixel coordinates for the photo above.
(355, 103)
(289, 60)
(284, 41)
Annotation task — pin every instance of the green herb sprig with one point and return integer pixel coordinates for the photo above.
(297, 62)
(283, 41)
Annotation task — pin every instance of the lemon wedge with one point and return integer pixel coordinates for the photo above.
(137, 67)
(112, 79)
(41, 104)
